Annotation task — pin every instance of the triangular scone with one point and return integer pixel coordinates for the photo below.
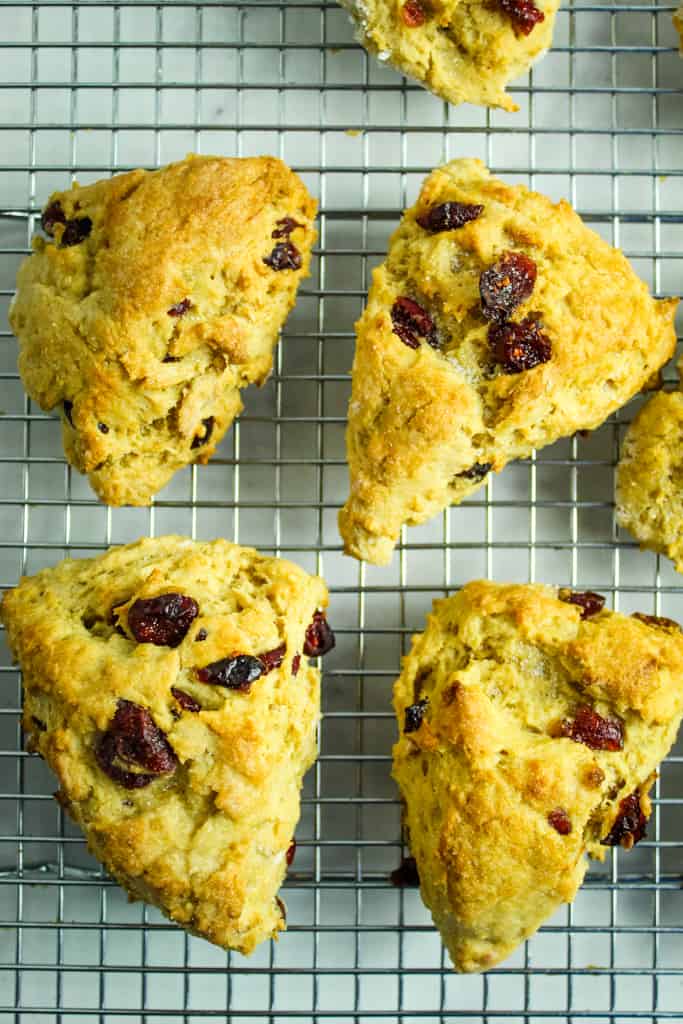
(497, 324)
(530, 732)
(154, 299)
(462, 51)
(166, 683)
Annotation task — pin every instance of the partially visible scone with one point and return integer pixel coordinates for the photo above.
(497, 324)
(531, 727)
(153, 300)
(463, 50)
(678, 24)
(167, 685)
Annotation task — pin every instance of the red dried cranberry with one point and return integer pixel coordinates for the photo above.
(186, 702)
(291, 853)
(319, 638)
(519, 347)
(162, 620)
(559, 819)
(285, 256)
(133, 740)
(594, 731)
(413, 14)
(588, 601)
(414, 715)
(285, 226)
(68, 409)
(405, 874)
(200, 635)
(411, 323)
(477, 471)
(630, 825)
(201, 439)
(525, 14)
(52, 214)
(506, 284)
(658, 621)
(273, 659)
(449, 216)
(76, 231)
(296, 662)
(180, 308)
(236, 673)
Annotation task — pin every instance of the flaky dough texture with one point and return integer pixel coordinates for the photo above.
(490, 767)
(426, 424)
(145, 331)
(206, 842)
(465, 51)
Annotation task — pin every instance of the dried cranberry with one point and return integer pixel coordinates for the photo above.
(476, 472)
(180, 308)
(76, 231)
(559, 819)
(413, 14)
(162, 620)
(630, 825)
(291, 853)
(405, 874)
(506, 284)
(103, 428)
(519, 347)
(68, 409)
(201, 439)
(658, 621)
(414, 715)
(411, 323)
(186, 702)
(525, 14)
(200, 635)
(588, 601)
(237, 672)
(273, 659)
(449, 216)
(52, 214)
(594, 731)
(285, 256)
(296, 663)
(134, 740)
(285, 226)
(319, 638)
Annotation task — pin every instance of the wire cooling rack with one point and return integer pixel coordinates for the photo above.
(88, 88)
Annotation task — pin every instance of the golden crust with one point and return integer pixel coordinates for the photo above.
(678, 25)
(501, 667)
(207, 844)
(465, 52)
(420, 419)
(93, 324)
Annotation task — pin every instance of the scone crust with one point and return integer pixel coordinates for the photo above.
(502, 666)
(465, 52)
(678, 25)
(420, 419)
(207, 844)
(149, 392)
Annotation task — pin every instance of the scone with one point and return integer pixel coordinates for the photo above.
(497, 324)
(678, 24)
(525, 743)
(153, 300)
(167, 685)
(462, 51)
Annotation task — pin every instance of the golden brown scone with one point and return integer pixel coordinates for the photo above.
(678, 24)
(184, 774)
(154, 299)
(482, 342)
(525, 743)
(463, 51)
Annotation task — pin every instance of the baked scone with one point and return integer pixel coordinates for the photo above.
(497, 324)
(465, 52)
(153, 300)
(649, 491)
(167, 685)
(678, 24)
(525, 743)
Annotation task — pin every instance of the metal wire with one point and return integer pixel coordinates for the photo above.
(90, 88)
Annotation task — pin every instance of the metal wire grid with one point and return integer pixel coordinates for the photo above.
(92, 88)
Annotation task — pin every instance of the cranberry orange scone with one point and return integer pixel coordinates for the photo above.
(167, 684)
(463, 51)
(154, 299)
(525, 744)
(497, 324)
